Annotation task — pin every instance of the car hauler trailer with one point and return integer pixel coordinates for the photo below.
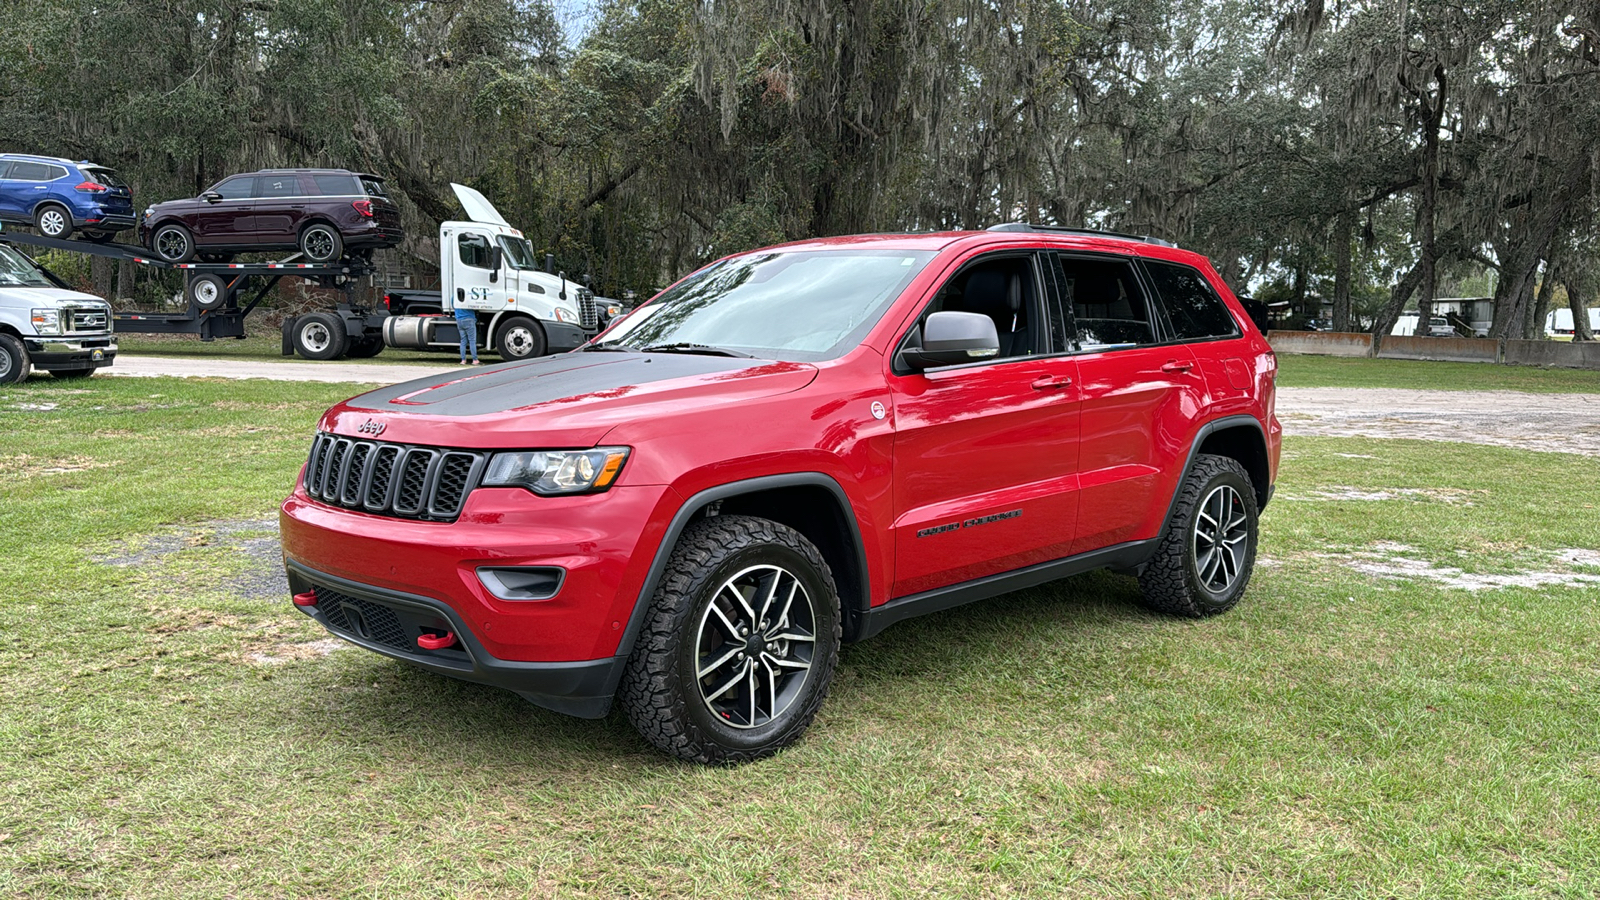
(213, 294)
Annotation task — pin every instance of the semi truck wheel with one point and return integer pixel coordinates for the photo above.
(208, 291)
(364, 347)
(53, 221)
(519, 338)
(15, 365)
(739, 645)
(320, 335)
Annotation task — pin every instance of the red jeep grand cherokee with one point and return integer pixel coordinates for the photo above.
(789, 448)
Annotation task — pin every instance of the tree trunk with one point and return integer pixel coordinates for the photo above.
(1398, 298)
(1541, 307)
(1300, 277)
(100, 272)
(124, 279)
(1343, 231)
(1427, 212)
(1577, 301)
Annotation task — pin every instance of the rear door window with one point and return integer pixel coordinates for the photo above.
(5, 169)
(1108, 307)
(32, 171)
(1193, 308)
(269, 187)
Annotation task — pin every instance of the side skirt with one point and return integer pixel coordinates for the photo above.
(1122, 556)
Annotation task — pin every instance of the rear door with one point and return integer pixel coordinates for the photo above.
(1197, 316)
(986, 453)
(1141, 391)
(10, 206)
(281, 199)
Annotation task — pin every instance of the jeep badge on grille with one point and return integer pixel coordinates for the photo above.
(371, 427)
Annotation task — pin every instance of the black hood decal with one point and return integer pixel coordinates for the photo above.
(549, 379)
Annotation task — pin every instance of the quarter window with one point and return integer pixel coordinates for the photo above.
(1108, 307)
(474, 250)
(335, 185)
(1195, 310)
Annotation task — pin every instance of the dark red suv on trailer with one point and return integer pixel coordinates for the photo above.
(324, 213)
(791, 448)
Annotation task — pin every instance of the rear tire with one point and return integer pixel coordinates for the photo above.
(173, 243)
(739, 644)
(101, 237)
(519, 338)
(15, 365)
(321, 243)
(320, 335)
(53, 221)
(1205, 558)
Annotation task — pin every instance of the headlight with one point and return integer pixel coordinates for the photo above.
(46, 321)
(556, 471)
(613, 310)
(562, 315)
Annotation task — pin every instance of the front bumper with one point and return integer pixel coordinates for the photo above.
(106, 221)
(389, 622)
(561, 336)
(71, 353)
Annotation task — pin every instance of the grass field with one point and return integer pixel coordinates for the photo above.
(1404, 705)
(1329, 371)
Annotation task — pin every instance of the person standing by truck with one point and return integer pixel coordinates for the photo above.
(467, 327)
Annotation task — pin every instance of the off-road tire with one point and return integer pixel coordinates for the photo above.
(660, 690)
(15, 364)
(208, 291)
(518, 338)
(53, 221)
(364, 347)
(171, 251)
(1171, 581)
(321, 243)
(320, 335)
(71, 374)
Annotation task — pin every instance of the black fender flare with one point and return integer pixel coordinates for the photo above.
(1199, 438)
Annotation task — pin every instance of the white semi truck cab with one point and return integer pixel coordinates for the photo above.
(487, 266)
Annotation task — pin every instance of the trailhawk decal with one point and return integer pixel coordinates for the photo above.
(969, 523)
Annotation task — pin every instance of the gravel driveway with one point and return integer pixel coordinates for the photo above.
(1566, 423)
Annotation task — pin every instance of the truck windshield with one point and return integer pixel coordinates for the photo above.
(791, 305)
(519, 253)
(17, 270)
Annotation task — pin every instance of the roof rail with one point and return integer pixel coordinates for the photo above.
(1091, 232)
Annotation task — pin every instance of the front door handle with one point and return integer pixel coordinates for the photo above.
(1177, 368)
(1051, 383)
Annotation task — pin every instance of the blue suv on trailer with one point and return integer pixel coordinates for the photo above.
(59, 196)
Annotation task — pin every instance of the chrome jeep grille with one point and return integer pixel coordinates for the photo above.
(392, 479)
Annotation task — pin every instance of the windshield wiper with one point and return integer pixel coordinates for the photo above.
(687, 347)
(607, 347)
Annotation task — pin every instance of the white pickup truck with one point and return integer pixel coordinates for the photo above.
(46, 325)
(487, 266)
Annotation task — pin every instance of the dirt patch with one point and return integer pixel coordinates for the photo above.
(17, 468)
(1556, 423)
(1452, 496)
(259, 576)
(287, 653)
(1390, 560)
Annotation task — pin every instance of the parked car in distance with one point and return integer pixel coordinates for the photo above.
(792, 448)
(1439, 326)
(58, 197)
(46, 325)
(325, 214)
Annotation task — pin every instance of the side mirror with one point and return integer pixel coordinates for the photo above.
(211, 197)
(497, 259)
(949, 338)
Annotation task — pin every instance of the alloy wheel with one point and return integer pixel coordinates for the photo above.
(1221, 532)
(754, 646)
(172, 244)
(52, 223)
(319, 245)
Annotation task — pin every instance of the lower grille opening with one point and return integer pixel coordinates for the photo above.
(391, 626)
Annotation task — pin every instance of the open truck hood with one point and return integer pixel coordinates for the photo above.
(477, 206)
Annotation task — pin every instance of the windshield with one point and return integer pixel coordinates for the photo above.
(17, 270)
(790, 305)
(519, 253)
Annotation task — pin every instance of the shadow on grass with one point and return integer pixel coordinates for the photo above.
(397, 712)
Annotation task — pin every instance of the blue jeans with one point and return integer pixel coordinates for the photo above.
(467, 327)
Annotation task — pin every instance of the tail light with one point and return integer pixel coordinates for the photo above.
(363, 206)
(387, 298)
(92, 187)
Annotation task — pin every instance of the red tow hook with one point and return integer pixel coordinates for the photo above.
(436, 641)
(309, 598)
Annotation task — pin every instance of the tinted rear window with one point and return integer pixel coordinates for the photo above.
(105, 177)
(336, 185)
(1194, 309)
(374, 188)
(32, 171)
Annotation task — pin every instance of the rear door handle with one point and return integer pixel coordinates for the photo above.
(1051, 383)
(1176, 367)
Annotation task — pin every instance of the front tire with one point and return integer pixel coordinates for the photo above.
(320, 335)
(53, 221)
(173, 243)
(519, 338)
(15, 364)
(1205, 558)
(739, 644)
